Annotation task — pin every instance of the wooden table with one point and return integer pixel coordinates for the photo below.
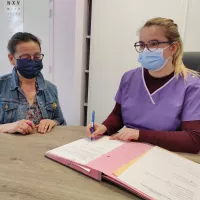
(25, 174)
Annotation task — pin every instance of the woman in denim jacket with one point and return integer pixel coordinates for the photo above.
(27, 101)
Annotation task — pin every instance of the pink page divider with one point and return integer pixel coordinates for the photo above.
(123, 154)
(113, 160)
(93, 173)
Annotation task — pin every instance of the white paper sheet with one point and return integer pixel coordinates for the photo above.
(84, 150)
(164, 176)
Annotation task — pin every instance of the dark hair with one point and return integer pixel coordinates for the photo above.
(21, 37)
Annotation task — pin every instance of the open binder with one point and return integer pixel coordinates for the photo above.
(134, 166)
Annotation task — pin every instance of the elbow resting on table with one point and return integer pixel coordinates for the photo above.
(195, 149)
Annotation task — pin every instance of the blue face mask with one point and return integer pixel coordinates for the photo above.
(29, 68)
(153, 60)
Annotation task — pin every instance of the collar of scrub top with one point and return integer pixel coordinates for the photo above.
(15, 81)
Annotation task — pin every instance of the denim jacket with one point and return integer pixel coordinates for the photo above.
(13, 103)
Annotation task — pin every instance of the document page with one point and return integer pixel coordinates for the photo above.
(84, 150)
(163, 175)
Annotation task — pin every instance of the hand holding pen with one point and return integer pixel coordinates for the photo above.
(92, 128)
(95, 130)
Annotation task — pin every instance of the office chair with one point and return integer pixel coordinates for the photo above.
(192, 60)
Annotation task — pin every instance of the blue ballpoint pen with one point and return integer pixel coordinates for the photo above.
(93, 118)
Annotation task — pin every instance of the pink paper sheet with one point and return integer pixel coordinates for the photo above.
(123, 154)
(110, 162)
(113, 160)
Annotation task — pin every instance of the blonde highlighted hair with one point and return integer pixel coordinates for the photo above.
(172, 34)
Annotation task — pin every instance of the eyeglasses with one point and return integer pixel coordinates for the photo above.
(36, 57)
(152, 45)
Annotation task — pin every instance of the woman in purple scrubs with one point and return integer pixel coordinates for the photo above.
(159, 102)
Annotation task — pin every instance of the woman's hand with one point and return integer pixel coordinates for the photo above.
(45, 125)
(99, 130)
(23, 126)
(126, 134)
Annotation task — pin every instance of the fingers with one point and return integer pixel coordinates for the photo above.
(50, 128)
(26, 131)
(93, 135)
(89, 132)
(119, 136)
(45, 126)
(19, 130)
(115, 136)
(40, 127)
(27, 126)
(30, 130)
(98, 130)
(96, 134)
(24, 126)
(30, 123)
(88, 128)
(124, 135)
(127, 138)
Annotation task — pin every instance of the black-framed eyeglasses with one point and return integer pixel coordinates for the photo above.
(152, 45)
(36, 57)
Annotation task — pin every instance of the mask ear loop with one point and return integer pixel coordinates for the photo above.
(166, 48)
(166, 60)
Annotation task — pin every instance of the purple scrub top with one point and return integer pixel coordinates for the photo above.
(163, 110)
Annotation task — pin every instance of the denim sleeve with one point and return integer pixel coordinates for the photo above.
(58, 116)
(1, 113)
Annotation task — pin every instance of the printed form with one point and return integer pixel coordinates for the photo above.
(163, 175)
(84, 150)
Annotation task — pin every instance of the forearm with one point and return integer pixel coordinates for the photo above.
(179, 141)
(114, 122)
(4, 128)
(1, 127)
(112, 126)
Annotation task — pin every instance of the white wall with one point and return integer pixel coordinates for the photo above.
(69, 48)
(5, 66)
(114, 27)
(80, 59)
(192, 32)
(36, 21)
(63, 43)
